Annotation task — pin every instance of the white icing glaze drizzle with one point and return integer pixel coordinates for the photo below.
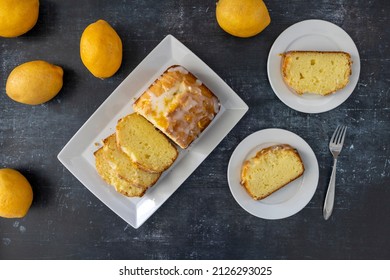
(186, 109)
(180, 69)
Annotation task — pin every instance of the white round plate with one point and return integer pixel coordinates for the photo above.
(313, 35)
(288, 200)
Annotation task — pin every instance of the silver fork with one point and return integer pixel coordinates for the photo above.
(335, 145)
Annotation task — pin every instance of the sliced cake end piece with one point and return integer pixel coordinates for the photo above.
(316, 72)
(271, 169)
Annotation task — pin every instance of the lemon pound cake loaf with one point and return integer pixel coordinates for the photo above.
(110, 177)
(271, 169)
(179, 105)
(316, 72)
(124, 166)
(148, 148)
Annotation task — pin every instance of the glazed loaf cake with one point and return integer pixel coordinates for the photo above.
(271, 169)
(176, 105)
(179, 105)
(316, 72)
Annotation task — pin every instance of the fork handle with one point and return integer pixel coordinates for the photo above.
(329, 198)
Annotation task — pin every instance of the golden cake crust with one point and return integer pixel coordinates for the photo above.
(179, 105)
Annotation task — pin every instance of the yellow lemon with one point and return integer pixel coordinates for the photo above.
(242, 18)
(101, 49)
(17, 17)
(16, 194)
(34, 82)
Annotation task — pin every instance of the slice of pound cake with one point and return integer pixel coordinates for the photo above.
(271, 169)
(109, 175)
(178, 104)
(124, 166)
(316, 72)
(148, 148)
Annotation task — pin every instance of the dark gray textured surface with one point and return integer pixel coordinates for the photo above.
(201, 220)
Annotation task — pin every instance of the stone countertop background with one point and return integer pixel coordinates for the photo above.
(201, 220)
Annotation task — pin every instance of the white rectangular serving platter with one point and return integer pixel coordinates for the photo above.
(77, 155)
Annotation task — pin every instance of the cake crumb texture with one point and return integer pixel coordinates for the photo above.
(315, 72)
(271, 169)
(109, 175)
(147, 147)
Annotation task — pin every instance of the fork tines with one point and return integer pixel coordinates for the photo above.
(339, 135)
